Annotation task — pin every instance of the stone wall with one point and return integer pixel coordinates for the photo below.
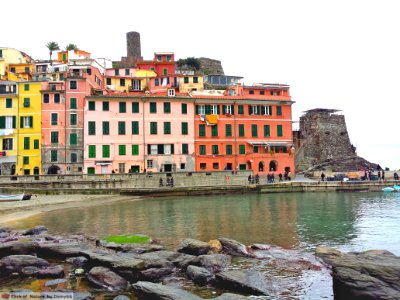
(211, 66)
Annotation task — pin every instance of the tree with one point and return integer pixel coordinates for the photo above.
(190, 62)
(70, 47)
(52, 46)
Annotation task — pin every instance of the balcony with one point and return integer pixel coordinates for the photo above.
(55, 88)
(81, 74)
(8, 89)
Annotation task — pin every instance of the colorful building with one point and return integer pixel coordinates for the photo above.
(128, 79)
(15, 65)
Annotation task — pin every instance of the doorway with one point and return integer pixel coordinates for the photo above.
(273, 165)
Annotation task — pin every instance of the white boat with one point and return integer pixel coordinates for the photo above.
(15, 197)
(388, 189)
(396, 188)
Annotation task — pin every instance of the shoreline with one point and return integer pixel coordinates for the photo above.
(17, 210)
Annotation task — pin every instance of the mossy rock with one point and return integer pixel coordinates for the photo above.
(128, 239)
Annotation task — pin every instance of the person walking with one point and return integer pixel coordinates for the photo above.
(322, 176)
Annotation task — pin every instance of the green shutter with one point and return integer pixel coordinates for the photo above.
(279, 110)
(267, 131)
(185, 149)
(135, 149)
(73, 139)
(30, 121)
(27, 102)
(202, 149)
(135, 107)
(254, 131)
(228, 149)
(35, 144)
(92, 151)
(185, 128)
(167, 127)
(202, 130)
(54, 155)
(167, 107)
(106, 127)
(2, 122)
(121, 150)
(26, 87)
(27, 142)
(241, 129)
(92, 127)
(214, 130)
(92, 105)
(14, 122)
(228, 130)
(153, 127)
(121, 128)
(72, 103)
(25, 160)
(184, 108)
(106, 151)
(135, 127)
(240, 110)
(255, 149)
(214, 149)
(122, 107)
(250, 109)
(72, 119)
(279, 130)
(153, 107)
(106, 106)
(242, 149)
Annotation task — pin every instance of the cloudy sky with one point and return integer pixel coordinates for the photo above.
(338, 54)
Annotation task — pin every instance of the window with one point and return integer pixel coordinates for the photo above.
(202, 130)
(25, 122)
(73, 139)
(254, 130)
(184, 108)
(149, 163)
(153, 107)
(126, 71)
(165, 71)
(185, 127)
(228, 109)
(26, 87)
(74, 156)
(279, 110)
(92, 105)
(8, 122)
(267, 131)
(72, 119)
(153, 127)
(241, 130)
(8, 103)
(214, 130)
(106, 151)
(254, 110)
(185, 148)
(46, 98)
(267, 110)
(159, 58)
(251, 92)
(106, 127)
(116, 72)
(255, 149)
(73, 85)
(240, 110)
(53, 155)
(1, 53)
(7, 144)
(106, 106)
(153, 149)
(195, 79)
(167, 107)
(168, 149)
(26, 160)
(242, 149)
(121, 168)
(214, 149)
(202, 149)
(122, 107)
(135, 127)
(54, 137)
(262, 92)
(215, 166)
(27, 102)
(242, 167)
(108, 81)
(168, 57)
(228, 130)
(92, 151)
(228, 149)
(156, 82)
(135, 149)
(203, 166)
(56, 98)
(121, 149)
(183, 166)
(92, 128)
(185, 79)
(167, 127)
(36, 144)
(27, 142)
(121, 128)
(200, 109)
(122, 82)
(54, 119)
(72, 103)
(135, 107)
(12, 69)
(279, 130)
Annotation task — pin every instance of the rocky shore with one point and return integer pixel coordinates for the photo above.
(150, 271)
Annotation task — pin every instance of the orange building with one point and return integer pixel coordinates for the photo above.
(245, 128)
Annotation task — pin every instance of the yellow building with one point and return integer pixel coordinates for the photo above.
(188, 83)
(29, 128)
(15, 65)
(8, 127)
(128, 79)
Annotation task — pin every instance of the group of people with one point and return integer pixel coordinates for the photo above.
(369, 175)
(270, 177)
(253, 179)
(170, 182)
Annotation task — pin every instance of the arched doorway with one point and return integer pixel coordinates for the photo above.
(53, 169)
(12, 170)
(261, 166)
(273, 165)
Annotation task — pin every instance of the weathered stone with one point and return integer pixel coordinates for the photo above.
(115, 261)
(155, 274)
(15, 263)
(4, 229)
(134, 248)
(216, 246)
(365, 275)
(60, 250)
(82, 296)
(215, 262)
(229, 296)
(235, 248)
(77, 262)
(156, 291)
(194, 247)
(55, 282)
(105, 278)
(159, 259)
(35, 230)
(29, 271)
(248, 281)
(327, 253)
(199, 275)
(51, 271)
(184, 260)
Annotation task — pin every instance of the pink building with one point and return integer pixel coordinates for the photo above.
(130, 133)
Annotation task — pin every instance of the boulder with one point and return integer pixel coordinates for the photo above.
(35, 230)
(156, 291)
(216, 246)
(364, 275)
(51, 271)
(115, 261)
(134, 248)
(15, 263)
(155, 274)
(77, 262)
(158, 259)
(235, 248)
(194, 247)
(184, 260)
(251, 282)
(105, 278)
(215, 262)
(199, 275)
(60, 250)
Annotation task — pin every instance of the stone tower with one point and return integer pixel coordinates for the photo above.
(134, 51)
(325, 143)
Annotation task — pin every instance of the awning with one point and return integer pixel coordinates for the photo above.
(269, 143)
(4, 132)
(103, 163)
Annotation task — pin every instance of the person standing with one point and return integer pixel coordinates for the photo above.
(322, 176)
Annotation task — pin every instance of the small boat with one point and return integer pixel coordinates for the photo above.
(15, 197)
(396, 188)
(388, 189)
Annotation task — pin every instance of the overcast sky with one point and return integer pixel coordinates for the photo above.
(334, 54)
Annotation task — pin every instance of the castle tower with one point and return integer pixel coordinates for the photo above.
(133, 46)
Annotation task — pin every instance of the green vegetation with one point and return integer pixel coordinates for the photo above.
(192, 63)
(70, 47)
(52, 46)
(128, 239)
